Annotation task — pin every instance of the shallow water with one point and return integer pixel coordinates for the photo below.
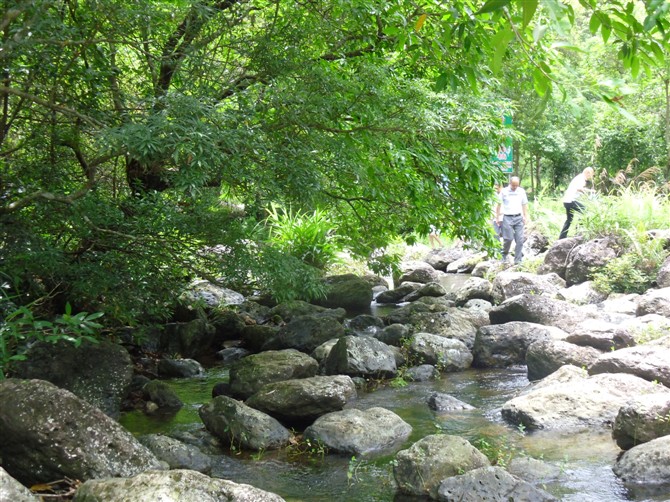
(584, 459)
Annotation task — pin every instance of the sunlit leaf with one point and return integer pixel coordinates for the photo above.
(594, 23)
(500, 41)
(420, 22)
(529, 8)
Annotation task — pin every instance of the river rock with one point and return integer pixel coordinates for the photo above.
(647, 463)
(248, 375)
(645, 418)
(543, 357)
(305, 333)
(509, 284)
(347, 291)
(546, 311)
(502, 345)
(663, 277)
(359, 432)
(13, 491)
(589, 257)
(303, 400)
(362, 356)
(420, 469)
(601, 335)
(654, 301)
(581, 294)
(490, 483)
(448, 354)
(650, 361)
(556, 258)
(569, 399)
(99, 373)
(48, 433)
(176, 454)
(171, 486)
(241, 426)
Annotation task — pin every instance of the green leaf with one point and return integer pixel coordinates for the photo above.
(529, 8)
(539, 31)
(605, 31)
(493, 5)
(594, 23)
(540, 82)
(500, 41)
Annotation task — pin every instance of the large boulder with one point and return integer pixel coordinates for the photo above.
(241, 426)
(248, 375)
(509, 284)
(347, 291)
(569, 399)
(13, 491)
(501, 345)
(655, 301)
(361, 356)
(589, 257)
(359, 432)
(543, 357)
(650, 361)
(420, 469)
(643, 419)
(646, 464)
(663, 277)
(301, 401)
(542, 310)
(305, 333)
(48, 433)
(490, 483)
(447, 354)
(99, 373)
(178, 485)
(556, 258)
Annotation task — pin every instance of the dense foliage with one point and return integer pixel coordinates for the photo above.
(142, 142)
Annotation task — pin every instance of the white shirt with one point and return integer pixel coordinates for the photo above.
(573, 191)
(512, 200)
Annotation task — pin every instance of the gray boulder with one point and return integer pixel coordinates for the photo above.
(248, 375)
(650, 361)
(654, 301)
(99, 373)
(176, 454)
(362, 356)
(647, 463)
(171, 486)
(49, 433)
(420, 469)
(305, 333)
(13, 491)
(359, 432)
(641, 420)
(509, 284)
(303, 400)
(570, 400)
(589, 257)
(347, 291)
(502, 345)
(490, 483)
(556, 258)
(474, 288)
(447, 354)
(241, 426)
(663, 277)
(581, 294)
(543, 357)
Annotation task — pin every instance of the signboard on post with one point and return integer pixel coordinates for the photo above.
(505, 157)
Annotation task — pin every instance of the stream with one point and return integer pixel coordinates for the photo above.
(583, 459)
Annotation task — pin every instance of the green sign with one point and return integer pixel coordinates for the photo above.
(505, 156)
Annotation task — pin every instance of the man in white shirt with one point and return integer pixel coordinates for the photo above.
(576, 187)
(512, 211)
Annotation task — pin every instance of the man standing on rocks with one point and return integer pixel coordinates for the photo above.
(512, 214)
(576, 187)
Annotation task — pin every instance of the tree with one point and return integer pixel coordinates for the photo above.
(129, 131)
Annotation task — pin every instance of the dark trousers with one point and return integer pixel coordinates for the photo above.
(570, 208)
